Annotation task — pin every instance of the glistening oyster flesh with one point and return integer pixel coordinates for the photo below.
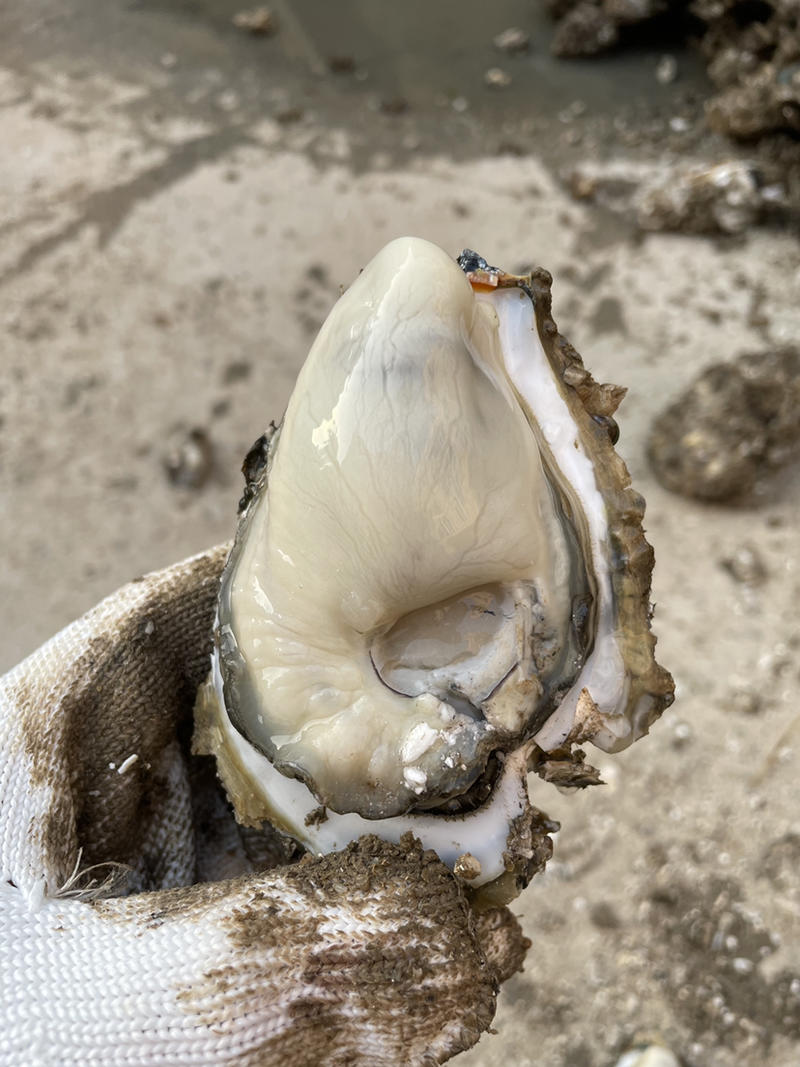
(439, 573)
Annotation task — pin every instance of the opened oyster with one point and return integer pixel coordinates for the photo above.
(439, 580)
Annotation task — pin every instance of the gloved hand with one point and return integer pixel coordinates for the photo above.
(140, 925)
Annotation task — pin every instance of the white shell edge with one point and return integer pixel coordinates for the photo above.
(530, 371)
(482, 833)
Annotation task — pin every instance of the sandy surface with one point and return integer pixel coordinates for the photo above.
(170, 246)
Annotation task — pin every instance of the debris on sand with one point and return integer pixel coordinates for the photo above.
(734, 424)
(189, 458)
(257, 20)
(746, 566)
(752, 52)
(587, 27)
(728, 197)
(512, 40)
(666, 70)
(745, 701)
(584, 30)
(754, 63)
(496, 78)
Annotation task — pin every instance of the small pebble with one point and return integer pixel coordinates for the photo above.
(681, 733)
(666, 70)
(189, 459)
(467, 866)
(582, 186)
(258, 20)
(496, 78)
(512, 40)
(746, 566)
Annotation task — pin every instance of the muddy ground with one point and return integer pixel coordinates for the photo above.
(180, 202)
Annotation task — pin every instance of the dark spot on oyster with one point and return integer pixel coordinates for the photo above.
(255, 464)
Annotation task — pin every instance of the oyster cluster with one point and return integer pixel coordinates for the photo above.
(439, 581)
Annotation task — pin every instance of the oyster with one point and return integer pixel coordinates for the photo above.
(439, 580)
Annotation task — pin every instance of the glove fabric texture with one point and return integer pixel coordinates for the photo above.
(141, 925)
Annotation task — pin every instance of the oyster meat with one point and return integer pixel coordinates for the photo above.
(439, 577)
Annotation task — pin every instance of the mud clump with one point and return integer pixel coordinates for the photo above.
(734, 424)
(727, 198)
(755, 64)
(587, 27)
(752, 51)
(584, 30)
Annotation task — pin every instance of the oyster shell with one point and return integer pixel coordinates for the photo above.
(439, 579)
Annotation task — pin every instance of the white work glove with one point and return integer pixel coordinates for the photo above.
(140, 925)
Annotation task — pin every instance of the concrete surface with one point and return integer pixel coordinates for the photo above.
(173, 232)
